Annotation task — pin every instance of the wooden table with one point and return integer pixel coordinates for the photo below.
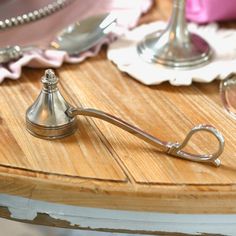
(102, 178)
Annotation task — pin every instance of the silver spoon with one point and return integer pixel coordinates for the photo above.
(74, 39)
(85, 34)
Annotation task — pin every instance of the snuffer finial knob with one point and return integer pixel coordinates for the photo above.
(50, 75)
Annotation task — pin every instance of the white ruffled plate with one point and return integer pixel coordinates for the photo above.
(223, 41)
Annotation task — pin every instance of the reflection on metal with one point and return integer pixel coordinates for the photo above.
(51, 117)
(228, 94)
(175, 46)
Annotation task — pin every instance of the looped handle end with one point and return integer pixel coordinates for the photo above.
(176, 149)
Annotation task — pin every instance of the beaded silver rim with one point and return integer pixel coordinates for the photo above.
(33, 15)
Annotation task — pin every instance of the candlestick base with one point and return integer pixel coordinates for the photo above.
(162, 50)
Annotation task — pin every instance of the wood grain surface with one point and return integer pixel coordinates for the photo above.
(102, 166)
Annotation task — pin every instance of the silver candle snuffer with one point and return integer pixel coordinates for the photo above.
(52, 117)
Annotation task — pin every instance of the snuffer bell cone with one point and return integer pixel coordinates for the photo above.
(46, 117)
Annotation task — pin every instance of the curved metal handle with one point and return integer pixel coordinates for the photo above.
(177, 149)
(174, 149)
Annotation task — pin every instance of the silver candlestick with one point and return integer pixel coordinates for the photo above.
(175, 46)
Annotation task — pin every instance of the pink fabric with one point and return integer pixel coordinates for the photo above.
(41, 32)
(204, 11)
